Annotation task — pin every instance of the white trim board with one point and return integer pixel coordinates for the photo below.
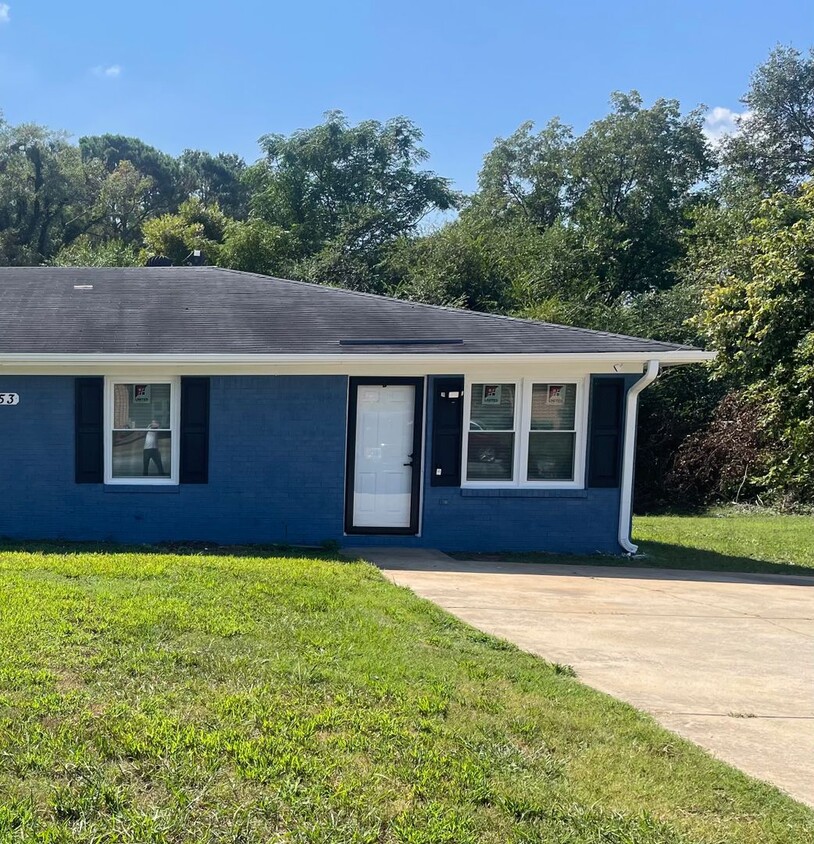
(361, 365)
(430, 361)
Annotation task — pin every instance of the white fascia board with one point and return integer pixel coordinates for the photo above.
(448, 362)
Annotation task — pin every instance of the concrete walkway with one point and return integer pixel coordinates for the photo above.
(726, 660)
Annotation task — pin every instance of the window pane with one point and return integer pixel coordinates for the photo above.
(492, 407)
(553, 407)
(490, 457)
(138, 406)
(551, 457)
(138, 454)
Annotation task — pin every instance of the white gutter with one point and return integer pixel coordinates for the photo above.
(140, 358)
(629, 454)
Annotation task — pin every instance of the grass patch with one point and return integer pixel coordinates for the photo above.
(196, 697)
(723, 540)
(729, 539)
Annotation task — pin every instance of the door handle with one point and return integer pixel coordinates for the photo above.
(408, 464)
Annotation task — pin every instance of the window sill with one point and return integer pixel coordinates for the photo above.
(524, 492)
(152, 489)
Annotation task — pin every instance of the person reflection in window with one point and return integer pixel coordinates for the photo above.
(151, 451)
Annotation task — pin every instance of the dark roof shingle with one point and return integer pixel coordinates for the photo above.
(206, 310)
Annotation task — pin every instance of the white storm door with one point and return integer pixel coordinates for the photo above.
(383, 474)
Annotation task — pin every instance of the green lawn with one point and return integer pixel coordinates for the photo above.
(725, 540)
(729, 540)
(156, 697)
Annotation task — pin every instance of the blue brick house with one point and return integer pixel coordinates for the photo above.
(159, 404)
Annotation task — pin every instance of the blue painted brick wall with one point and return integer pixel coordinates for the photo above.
(277, 451)
(567, 521)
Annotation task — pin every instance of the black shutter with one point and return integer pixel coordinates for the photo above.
(447, 423)
(194, 430)
(607, 414)
(89, 463)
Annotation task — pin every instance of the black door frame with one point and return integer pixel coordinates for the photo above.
(350, 463)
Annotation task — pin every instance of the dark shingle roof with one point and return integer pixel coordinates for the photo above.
(205, 310)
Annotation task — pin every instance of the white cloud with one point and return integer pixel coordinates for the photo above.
(5, 13)
(112, 71)
(721, 121)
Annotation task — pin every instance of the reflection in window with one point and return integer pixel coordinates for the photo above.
(552, 434)
(142, 431)
(490, 447)
(142, 454)
(136, 406)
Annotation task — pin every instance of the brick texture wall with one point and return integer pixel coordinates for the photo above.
(277, 452)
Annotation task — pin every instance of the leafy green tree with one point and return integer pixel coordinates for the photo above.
(45, 193)
(608, 208)
(633, 175)
(479, 263)
(257, 247)
(122, 204)
(163, 170)
(451, 266)
(178, 236)
(345, 193)
(216, 180)
(84, 252)
(212, 220)
(759, 316)
(525, 175)
(171, 236)
(774, 149)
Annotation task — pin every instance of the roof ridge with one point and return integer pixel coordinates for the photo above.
(447, 308)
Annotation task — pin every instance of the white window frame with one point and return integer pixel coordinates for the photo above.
(580, 431)
(518, 401)
(175, 427)
(522, 427)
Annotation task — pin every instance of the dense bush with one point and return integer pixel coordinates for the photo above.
(724, 460)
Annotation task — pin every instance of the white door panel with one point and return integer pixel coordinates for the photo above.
(384, 444)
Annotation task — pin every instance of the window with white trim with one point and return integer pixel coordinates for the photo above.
(525, 434)
(141, 431)
(491, 442)
(552, 432)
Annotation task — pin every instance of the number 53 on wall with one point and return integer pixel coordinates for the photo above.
(9, 398)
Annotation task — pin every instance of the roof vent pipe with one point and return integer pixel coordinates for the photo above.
(629, 454)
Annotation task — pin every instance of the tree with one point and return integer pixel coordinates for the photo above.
(609, 207)
(45, 193)
(178, 236)
(344, 193)
(632, 179)
(525, 175)
(122, 204)
(84, 252)
(774, 147)
(759, 316)
(256, 247)
(163, 170)
(721, 460)
(448, 267)
(216, 180)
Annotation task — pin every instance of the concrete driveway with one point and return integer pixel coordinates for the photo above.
(725, 660)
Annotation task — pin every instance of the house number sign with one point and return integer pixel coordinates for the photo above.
(9, 398)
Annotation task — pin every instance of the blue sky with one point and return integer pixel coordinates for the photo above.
(217, 75)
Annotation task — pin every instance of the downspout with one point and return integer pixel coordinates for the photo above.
(629, 454)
